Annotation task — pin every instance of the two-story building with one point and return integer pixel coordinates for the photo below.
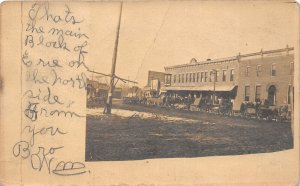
(260, 76)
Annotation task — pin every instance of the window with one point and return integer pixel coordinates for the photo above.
(231, 74)
(258, 70)
(197, 76)
(179, 78)
(174, 78)
(187, 78)
(211, 76)
(292, 68)
(205, 76)
(290, 95)
(273, 69)
(224, 75)
(168, 79)
(247, 93)
(217, 75)
(202, 77)
(247, 71)
(257, 93)
(194, 77)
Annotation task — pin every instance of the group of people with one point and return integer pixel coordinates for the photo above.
(263, 110)
(258, 109)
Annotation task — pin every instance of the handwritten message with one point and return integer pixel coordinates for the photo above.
(54, 52)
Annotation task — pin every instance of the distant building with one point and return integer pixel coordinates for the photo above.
(260, 76)
(155, 84)
(100, 90)
(96, 89)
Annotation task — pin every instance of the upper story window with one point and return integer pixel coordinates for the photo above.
(205, 76)
(292, 68)
(179, 78)
(258, 70)
(257, 93)
(224, 75)
(197, 76)
(202, 77)
(187, 78)
(273, 69)
(194, 77)
(190, 77)
(211, 76)
(231, 74)
(247, 71)
(290, 94)
(174, 80)
(168, 79)
(217, 75)
(247, 93)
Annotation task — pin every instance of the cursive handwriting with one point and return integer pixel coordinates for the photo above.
(57, 44)
(69, 168)
(41, 11)
(52, 131)
(57, 31)
(54, 42)
(49, 97)
(51, 63)
(42, 158)
(79, 81)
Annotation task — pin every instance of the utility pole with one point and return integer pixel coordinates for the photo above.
(107, 109)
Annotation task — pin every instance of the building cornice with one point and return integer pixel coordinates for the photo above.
(230, 59)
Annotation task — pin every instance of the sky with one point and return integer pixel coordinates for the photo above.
(164, 33)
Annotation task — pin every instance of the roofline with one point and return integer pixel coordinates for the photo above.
(233, 58)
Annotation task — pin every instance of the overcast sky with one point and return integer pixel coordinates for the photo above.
(164, 33)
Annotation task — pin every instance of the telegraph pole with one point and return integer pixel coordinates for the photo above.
(107, 109)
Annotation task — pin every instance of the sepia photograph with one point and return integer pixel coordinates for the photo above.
(138, 93)
(192, 81)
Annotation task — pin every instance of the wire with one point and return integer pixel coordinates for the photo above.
(151, 47)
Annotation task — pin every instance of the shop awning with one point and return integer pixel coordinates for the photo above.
(219, 88)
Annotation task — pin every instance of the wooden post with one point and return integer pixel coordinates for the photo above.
(108, 106)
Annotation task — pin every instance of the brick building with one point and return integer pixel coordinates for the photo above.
(260, 76)
(155, 84)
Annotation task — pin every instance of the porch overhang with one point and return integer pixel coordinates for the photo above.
(219, 88)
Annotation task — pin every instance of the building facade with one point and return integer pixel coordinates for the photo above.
(155, 84)
(261, 76)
